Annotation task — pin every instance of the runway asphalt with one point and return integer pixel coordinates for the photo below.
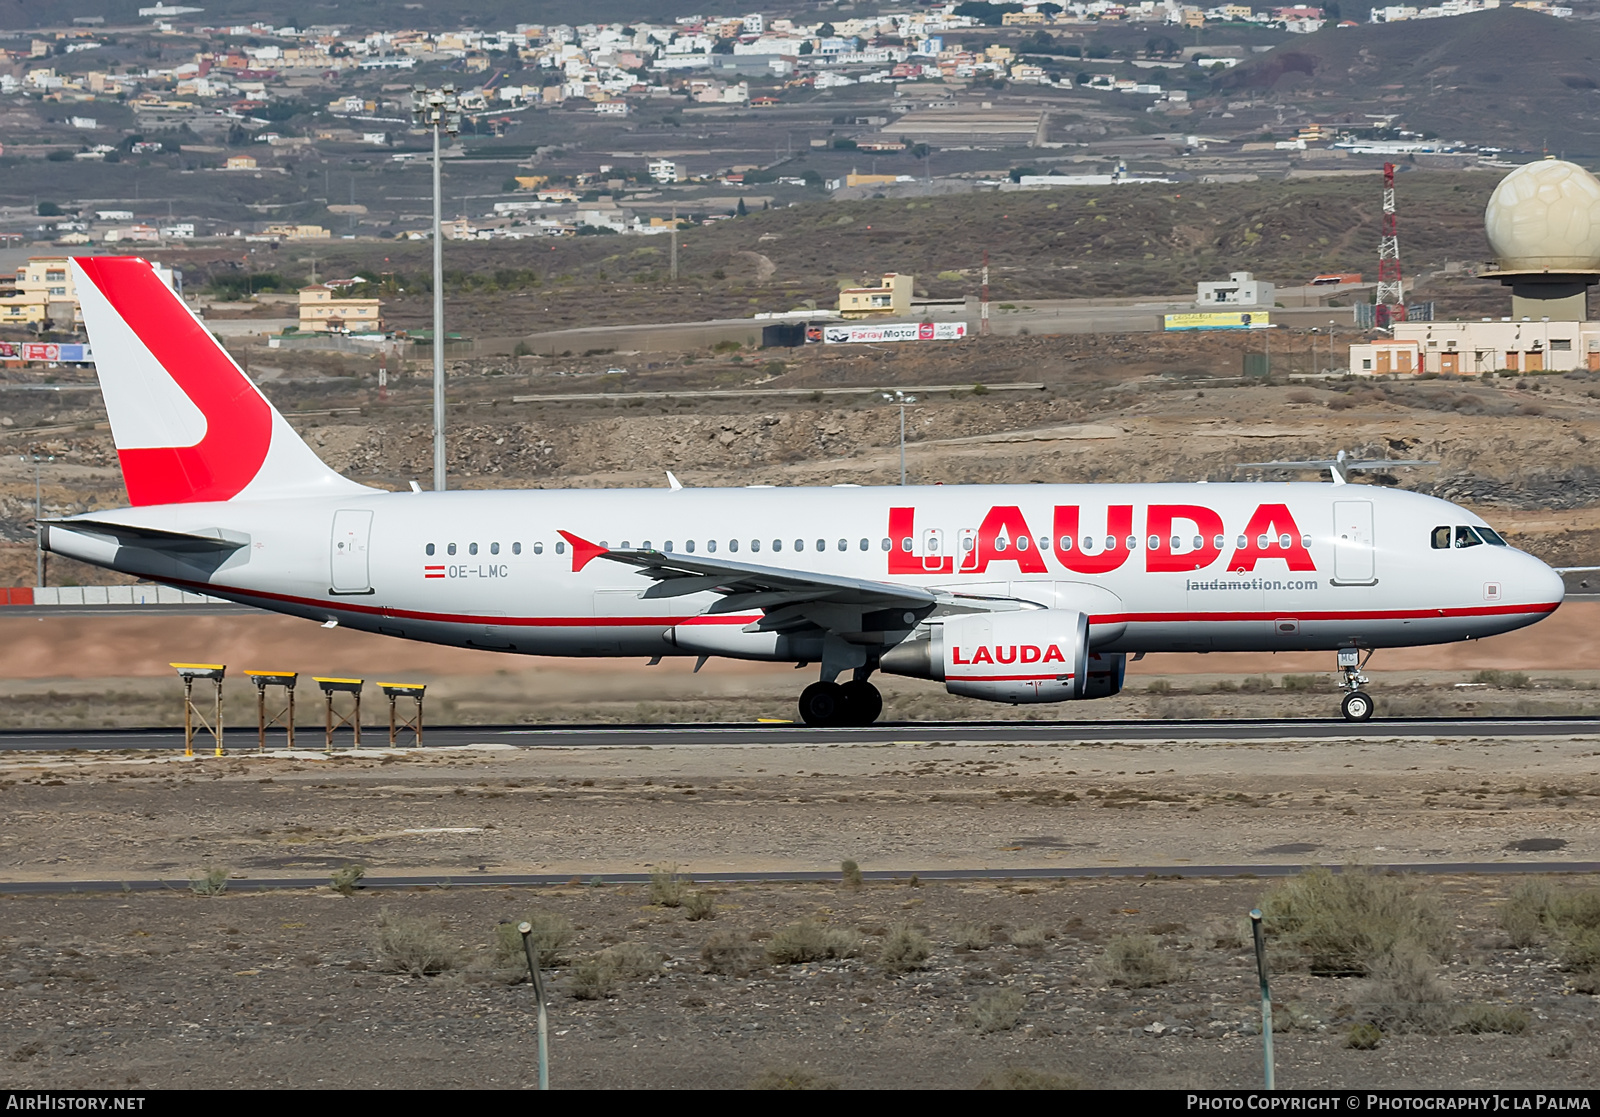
(243, 739)
(470, 879)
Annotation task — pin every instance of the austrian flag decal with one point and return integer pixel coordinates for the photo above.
(433, 572)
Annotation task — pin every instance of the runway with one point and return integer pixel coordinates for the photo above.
(310, 739)
(470, 879)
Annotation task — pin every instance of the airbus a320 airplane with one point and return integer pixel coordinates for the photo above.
(1005, 593)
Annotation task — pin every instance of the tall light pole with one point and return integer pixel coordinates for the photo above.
(38, 512)
(438, 111)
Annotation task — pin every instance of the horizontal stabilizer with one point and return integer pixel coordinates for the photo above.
(130, 535)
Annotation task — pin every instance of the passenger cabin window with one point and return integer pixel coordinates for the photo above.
(688, 545)
(428, 549)
(1466, 537)
(516, 548)
(777, 544)
(472, 548)
(494, 548)
(733, 544)
(711, 545)
(451, 549)
(905, 544)
(561, 548)
(538, 548)
(888, 545)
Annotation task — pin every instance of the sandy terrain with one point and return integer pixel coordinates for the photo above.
(288, 988)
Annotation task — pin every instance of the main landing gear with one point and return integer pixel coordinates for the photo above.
(834, 704)
(1357, 704)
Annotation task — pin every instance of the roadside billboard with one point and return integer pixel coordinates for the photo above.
(46, 351)
(1219, 320)
(898, 331)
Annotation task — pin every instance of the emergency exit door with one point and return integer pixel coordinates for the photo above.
(348, 559)
(1353, 543)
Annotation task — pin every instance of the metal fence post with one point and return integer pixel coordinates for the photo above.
(1266, 997)
(525, 930)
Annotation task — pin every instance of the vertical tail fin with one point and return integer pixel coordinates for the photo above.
(187, 422)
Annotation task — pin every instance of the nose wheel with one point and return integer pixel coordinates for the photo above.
(1357, 704)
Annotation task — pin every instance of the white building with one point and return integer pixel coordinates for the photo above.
(665, 170)
(1241, 289)
(1472, 348)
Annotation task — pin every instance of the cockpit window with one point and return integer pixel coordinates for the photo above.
(1467, 537)
(1441, 539)
(1492, 537)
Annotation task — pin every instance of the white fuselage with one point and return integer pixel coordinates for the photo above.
(1232, 566)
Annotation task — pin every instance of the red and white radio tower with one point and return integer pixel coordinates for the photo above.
(1391, 296)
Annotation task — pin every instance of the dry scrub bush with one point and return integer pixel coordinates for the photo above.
(592, 978)
(1029, 937)
(1341, 923)
(1480, 1019)
(970, 936)
(631, 961)
(1025, 1078)
(808, 941)
(850, 874)
(667, 889)
(1363, 1037)
(549, 939)
(997, 1011)
(699, 906)
(731, 953)
(1403, 993)
(1136, 961)
(904, 949)
(415, 946)
(791, 1078)
(210, 881)
(345, 881)
(1522, 915)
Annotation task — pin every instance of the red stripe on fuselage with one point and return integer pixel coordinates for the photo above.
(1538, 607)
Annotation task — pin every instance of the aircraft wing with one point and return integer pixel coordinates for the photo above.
(746, 586)
(789, 600)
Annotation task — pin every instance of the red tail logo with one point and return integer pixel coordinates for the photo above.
(238, 420)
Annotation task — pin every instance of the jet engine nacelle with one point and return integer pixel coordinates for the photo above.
(1031, 655)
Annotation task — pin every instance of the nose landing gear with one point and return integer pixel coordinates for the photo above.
(1357, 704)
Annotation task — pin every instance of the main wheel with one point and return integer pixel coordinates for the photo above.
(1357, 706)
(862, 703)
(822, 704)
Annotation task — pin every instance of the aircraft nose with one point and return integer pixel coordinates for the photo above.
(1537, 582)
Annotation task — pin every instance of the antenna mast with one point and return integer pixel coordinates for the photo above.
(1391, 298)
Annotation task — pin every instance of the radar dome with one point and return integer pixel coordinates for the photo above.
(1545, 216)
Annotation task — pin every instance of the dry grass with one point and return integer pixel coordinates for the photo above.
(1340, 924)
(1480, 1019)
(808, 941)
(699, 905)
(415, 946)
(971, 936)
(1030, 937)
(1026, 1078)
(592, 979)
(904, 949)
(345, 881)
(550, 936)
(850, 874)
(1403, 993)
(731, 953)
(210, 881)
(1136, 961)
(998, 1010)
(667, 889)
(1363, 1037)
(791, 1078)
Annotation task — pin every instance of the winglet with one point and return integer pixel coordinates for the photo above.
(583, 551)
(672, 481)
